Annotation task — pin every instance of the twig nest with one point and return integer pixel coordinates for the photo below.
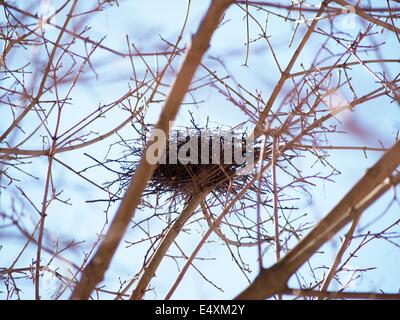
(195, 160)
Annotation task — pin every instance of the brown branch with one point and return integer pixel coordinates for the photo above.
(79, 36)
(296, 6)
(359, 11)
(342, 295)
(46, 72)
(274, 280)
(341, 66)
(286, 73)
(165, 244)
(348, 237)
(229, 242)
(343, 247)
(275, 198)
(320, 147)
(94, 272)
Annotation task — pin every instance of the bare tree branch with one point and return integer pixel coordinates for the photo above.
(274, 280)
(96, 268)
(165, 244)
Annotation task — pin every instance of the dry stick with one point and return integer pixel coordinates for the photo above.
(275, 198)
(50, 158)
(259, 180)
(35, 153)
(208, 217)
(45, 76)
(165, 244)
(317, 147)
(94, 272)
(341, 66)
(386, 185)
(275, 201)
(213, 227)
(342, 295)
(80, 36)
(299, 7)
(343, 247)
(41, 228)
(286, 73)
(274, 280)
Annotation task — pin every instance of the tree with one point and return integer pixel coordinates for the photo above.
(78, 108)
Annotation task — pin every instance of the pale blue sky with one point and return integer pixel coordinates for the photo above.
(145, 22)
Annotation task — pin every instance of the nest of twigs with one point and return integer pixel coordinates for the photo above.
(213, 163)
(213, 166)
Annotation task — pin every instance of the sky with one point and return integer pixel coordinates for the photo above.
(146, 23)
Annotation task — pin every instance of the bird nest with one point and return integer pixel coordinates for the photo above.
(204, 160)
(193, 160)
